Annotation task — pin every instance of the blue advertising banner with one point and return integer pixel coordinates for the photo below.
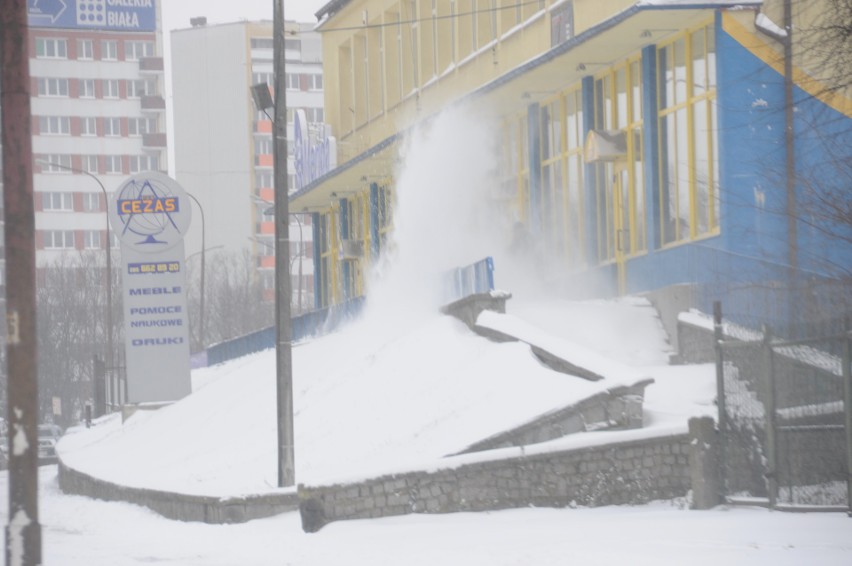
(109, 15)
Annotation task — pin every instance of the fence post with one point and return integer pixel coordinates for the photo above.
(721, 419)
(847, 407)
(771, 451)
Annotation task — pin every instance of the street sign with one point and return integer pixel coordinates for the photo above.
(111, 15)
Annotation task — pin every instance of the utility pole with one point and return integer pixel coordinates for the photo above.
(284, 331)
(23, 533)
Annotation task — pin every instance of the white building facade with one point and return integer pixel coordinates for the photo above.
(98, 116)
(223, 148)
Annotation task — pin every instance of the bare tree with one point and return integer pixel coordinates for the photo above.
(71, 331)
(234, 304)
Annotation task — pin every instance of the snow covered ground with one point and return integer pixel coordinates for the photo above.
(362, 406)
(78, 531)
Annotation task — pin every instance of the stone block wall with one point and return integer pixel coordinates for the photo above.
(624, 473)
(180, 506)
(617, 408)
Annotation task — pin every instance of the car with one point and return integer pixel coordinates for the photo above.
(48, 436)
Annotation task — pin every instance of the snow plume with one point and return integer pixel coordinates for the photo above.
(442, 216)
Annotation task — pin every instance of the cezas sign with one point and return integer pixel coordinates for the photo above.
(148, 205)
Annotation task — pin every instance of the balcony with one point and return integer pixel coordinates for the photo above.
(151, 65)
(154, 103)
(265, 227)
(263, 126)
(263, 160)
(154, 141)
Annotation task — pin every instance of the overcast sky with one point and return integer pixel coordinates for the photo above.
(176, 13)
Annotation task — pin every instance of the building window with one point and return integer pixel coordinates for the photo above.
(112, 127)
(111, 88)
(260, 78)
(135, 50)
(139, 163)
(51, 48)
(688, 195)
(262, 43)
(140, 126)
(90, 163)
(85, 49)
(54, 125)
(263, 179)
(562, 24)
(316, 82)
(57, 202)
(88, 126)
(53, 87)
(91, 202)
(56, 163)
(87, 88)
(109, 50)
(91, 240)
(140, 87)
(618, 180)
(264, 146)
(293, 81)
(112, 164)
(59, 239)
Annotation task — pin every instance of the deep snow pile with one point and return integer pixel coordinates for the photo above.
(374, 397)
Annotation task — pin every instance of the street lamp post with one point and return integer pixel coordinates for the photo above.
(283, 328)
(284, 331)
(110, 361)
(202, 332)
(202, 252)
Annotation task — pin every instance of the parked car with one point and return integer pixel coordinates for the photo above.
(48, 436)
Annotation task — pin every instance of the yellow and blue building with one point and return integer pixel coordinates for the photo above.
(647, 144)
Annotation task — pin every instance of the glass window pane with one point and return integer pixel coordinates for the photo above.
(621, 98)
(683, 189)
(680, 70)
(711, 58)
(702, 167)
(699, 66)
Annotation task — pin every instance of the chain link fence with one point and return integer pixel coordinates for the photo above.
(784, 414)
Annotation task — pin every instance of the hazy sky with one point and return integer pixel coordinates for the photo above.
(176, 13)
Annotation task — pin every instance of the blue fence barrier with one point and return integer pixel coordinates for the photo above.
(469, 280)
(313, 323)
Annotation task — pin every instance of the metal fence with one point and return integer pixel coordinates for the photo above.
(312, 323)
(472, 279)
(785, 415)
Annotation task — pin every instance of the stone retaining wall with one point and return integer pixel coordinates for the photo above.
(624, 473)
(617, 408)
(632, 472)
(179, 506)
